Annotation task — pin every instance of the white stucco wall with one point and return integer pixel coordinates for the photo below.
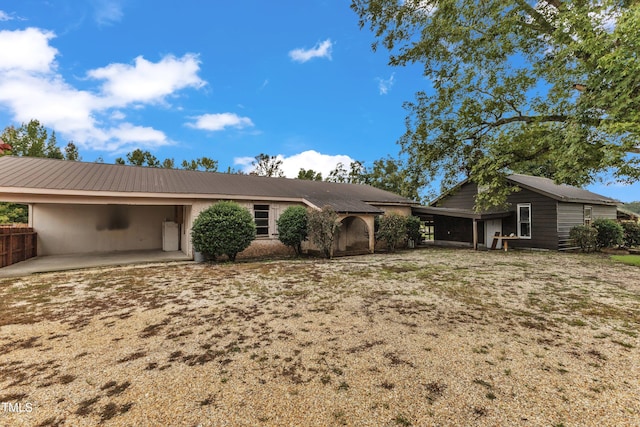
(75, 228)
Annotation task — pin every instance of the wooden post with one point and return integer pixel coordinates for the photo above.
(475, 234)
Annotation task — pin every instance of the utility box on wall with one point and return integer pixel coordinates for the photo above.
(170, 236)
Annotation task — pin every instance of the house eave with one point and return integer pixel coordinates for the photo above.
(41, 195)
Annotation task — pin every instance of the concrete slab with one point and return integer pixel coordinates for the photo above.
(44, 264)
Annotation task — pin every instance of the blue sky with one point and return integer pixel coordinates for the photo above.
(226, 80)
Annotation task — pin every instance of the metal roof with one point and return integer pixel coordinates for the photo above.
(560, 192)
(32, 175)
(547, 187)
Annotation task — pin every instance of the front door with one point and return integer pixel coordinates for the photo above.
(490, 228)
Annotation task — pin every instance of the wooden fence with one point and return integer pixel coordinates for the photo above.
(17, 244)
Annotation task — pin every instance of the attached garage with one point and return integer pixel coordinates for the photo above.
(86, 228)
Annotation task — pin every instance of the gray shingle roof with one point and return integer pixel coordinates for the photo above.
(34, 174)
(561, 192)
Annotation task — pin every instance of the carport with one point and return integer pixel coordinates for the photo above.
(88, 227)
(462, 226)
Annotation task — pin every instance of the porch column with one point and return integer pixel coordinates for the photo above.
(475, 234)
(370, 221)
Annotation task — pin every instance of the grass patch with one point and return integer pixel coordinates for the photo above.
(627, 259)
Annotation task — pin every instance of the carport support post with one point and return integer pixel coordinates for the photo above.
(475, 234)
(370, 221)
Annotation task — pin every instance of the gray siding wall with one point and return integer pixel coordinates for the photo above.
(543, 220)
(602, 211)
(572, 214)
(569, 215)
(462, 198)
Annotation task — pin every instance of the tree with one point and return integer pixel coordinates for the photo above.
(323, 226)
(633, 207)
(265, 165)
(292, 227)
(392, 175)
(546, 86)
(138, 157)
(392, 229)
(71, 152)
(225, 228)
(202, 163)
(356, 174)
(309, 175)
(33, 140)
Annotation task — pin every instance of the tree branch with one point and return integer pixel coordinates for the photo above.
(527, 119)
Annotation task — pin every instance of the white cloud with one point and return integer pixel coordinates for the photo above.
(107, 12)
(147, 81)
(385, 85)
(216, 122)
(245, 162)
(311, 159)
(27, 50)
(31, 88)
(4, 16)
(138, 135)
(48, 99)
(320, 50)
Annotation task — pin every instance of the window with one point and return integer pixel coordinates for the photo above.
(261, 218)
(588, 211)
(524, 220)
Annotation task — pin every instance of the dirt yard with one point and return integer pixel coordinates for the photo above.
(428, 337)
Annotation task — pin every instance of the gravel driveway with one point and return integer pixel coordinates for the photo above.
(427, 337)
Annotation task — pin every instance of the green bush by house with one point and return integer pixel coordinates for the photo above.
(585, 237)
(225, 228)
(292, 227)
(392, 230)
(323, 228)
(610, 233)
(631, 234)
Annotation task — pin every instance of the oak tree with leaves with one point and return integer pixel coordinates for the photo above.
(544, 87)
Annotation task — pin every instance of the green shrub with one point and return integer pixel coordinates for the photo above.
(610, 233)
(225, 228)
(13, 213)
(292, 227)
(631, 233)
(585, 237)
(323, 226)
(392, 230)
(413, 229)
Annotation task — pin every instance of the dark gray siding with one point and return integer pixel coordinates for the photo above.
(543, 220)
(461, 198)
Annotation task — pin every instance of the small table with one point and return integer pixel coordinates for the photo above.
(505, 241)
